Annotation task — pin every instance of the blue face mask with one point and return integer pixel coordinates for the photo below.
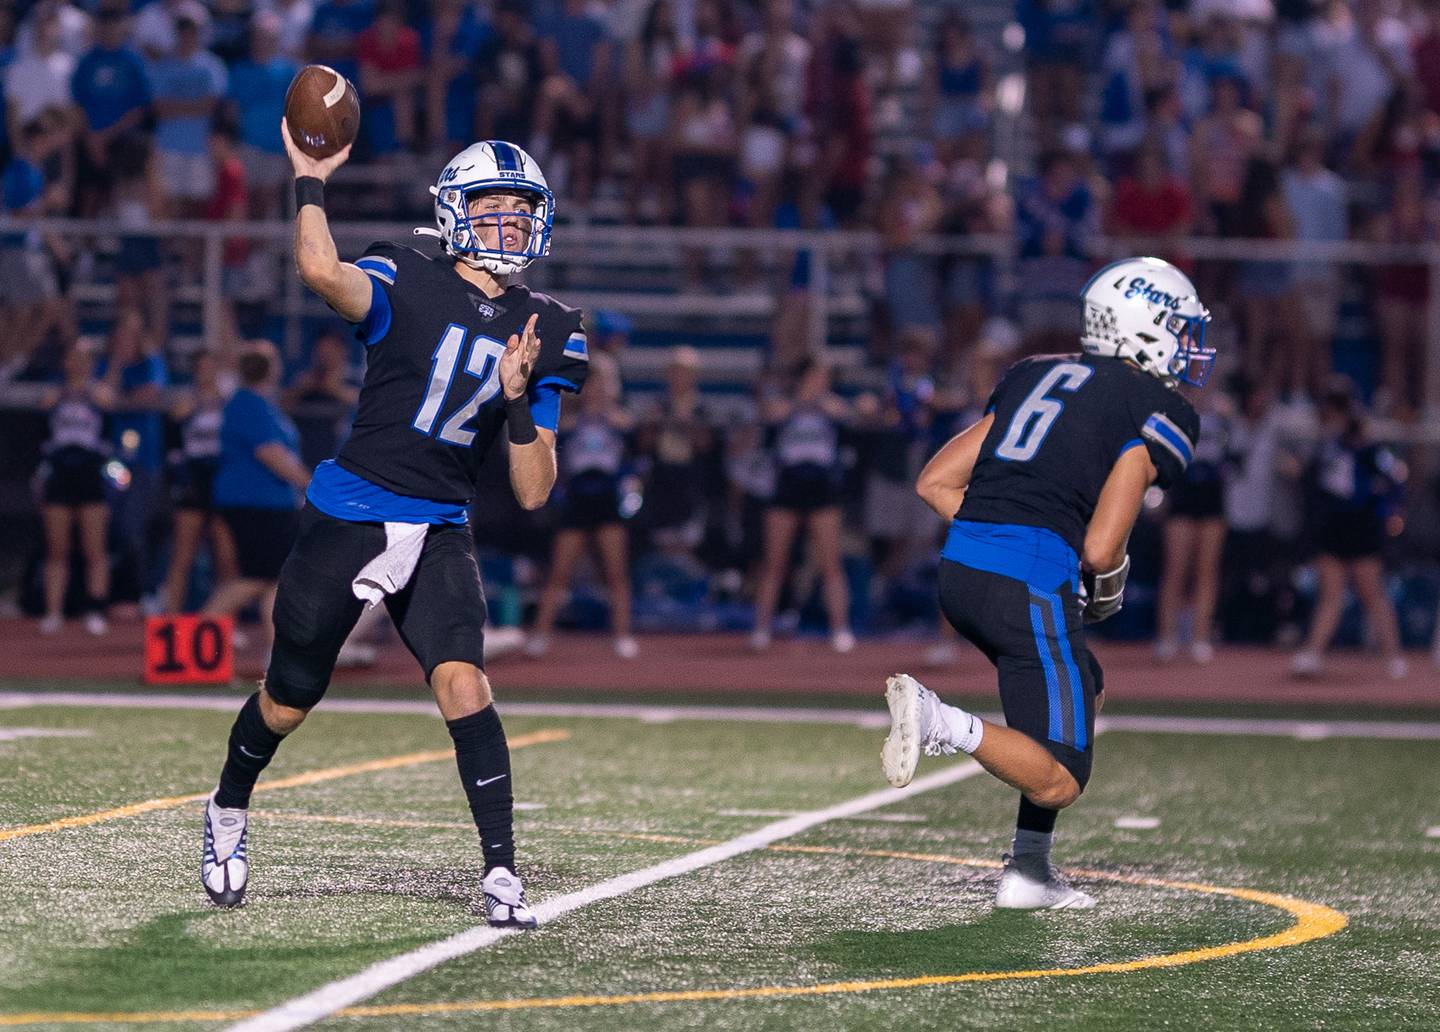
(1193, 359)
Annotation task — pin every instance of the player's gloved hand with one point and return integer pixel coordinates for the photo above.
(522, 351)
(1104, 593)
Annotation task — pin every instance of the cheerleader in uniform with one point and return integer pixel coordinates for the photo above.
(805, 436)
(73, 492)
(591, 457)
(193, 466)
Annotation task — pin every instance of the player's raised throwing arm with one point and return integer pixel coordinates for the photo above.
(945, 477)
(532, 448)
(344, 287)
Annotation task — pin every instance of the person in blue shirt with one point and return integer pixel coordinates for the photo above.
(187, 87)
(257, 88)
(112, 90)
(453, 39)
(258, 485)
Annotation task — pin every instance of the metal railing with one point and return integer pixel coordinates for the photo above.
(586, 255)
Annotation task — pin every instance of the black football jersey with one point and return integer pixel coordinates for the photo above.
(1061, 422)
(432, 402)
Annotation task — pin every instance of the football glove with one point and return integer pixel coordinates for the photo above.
(1104, 592)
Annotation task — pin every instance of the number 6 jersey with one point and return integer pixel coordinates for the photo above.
(1061, 422)
(432, 403)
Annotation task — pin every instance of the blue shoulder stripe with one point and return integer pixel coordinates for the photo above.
(1163, 431)
(575, 347)
(382, 269)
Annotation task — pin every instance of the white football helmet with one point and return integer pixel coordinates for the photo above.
(1146, 310)
(493, 165)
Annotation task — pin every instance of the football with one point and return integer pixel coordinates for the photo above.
(322, 109)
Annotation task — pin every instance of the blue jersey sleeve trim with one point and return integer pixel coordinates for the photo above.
(1169, 436)
(372, 329)
(545, 407)
(561, 382)
(380, 268)
(1134, 442)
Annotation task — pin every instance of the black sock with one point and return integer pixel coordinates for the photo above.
(1035, 818)
(483, 756)
(252, 744)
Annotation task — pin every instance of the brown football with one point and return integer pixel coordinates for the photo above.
(322, 109)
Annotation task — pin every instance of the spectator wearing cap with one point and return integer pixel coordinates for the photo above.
(257, 90)
(258, 485)
(112, 90)
(157, 26)
(390, 80)
(188, 87)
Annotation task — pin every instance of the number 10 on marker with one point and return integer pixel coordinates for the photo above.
(189, 649)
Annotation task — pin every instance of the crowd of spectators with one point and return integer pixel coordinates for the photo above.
(1085, 120)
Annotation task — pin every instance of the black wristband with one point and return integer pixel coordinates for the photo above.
(309, 190)
(519, 423)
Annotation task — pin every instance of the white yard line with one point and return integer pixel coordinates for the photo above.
(325, 1001)
(875, 717)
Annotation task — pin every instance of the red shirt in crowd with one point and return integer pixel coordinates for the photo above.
(230, 200)
(397, 53)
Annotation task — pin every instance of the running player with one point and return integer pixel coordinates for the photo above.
(1043, 491)
(455, 351)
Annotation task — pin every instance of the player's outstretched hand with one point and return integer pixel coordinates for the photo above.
(521, 352)
(304, 165)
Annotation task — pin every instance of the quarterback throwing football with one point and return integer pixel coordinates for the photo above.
(1043, 492)
(454, 352)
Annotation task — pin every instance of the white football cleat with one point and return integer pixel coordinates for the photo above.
(915, 724)
(505, 905)
(1030, 883)
(842, 641)
(96, 624)
(224, 870)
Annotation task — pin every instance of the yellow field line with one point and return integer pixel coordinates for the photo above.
(309, 778)
(1312, 921)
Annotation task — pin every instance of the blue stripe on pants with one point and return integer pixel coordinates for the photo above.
(1052, 680)
(1077, 686)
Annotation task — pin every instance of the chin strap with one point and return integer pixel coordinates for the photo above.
(426, 231)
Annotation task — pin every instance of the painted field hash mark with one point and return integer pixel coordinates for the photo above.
(312, 777)
(1312, 921)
